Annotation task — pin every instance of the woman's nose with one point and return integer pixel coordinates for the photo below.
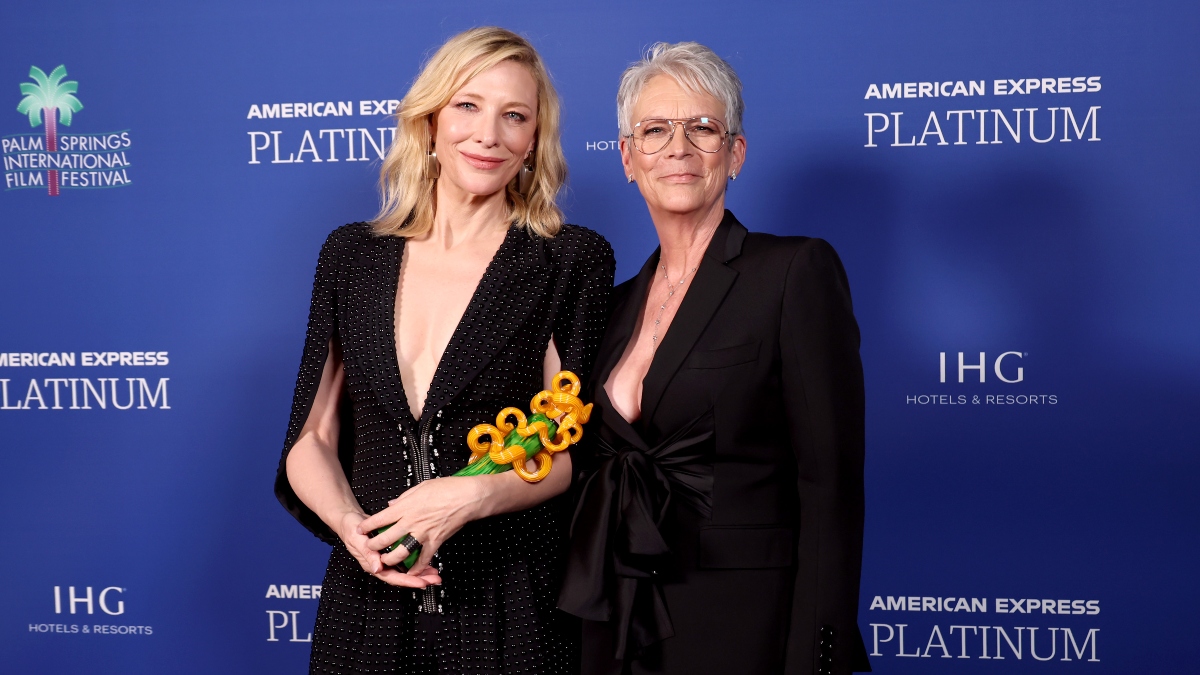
(678, 146)
(488, 131)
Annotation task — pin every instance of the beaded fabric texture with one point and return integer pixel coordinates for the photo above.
(501, 574)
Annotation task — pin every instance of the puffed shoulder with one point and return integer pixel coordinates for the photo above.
(580, 249)
(579, 238)
(348, 234)
(341, 240)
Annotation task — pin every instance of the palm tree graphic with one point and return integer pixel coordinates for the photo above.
(49, 96)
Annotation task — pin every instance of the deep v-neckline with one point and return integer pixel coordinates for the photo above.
(707, 290)
(642, 285)
(455, 336)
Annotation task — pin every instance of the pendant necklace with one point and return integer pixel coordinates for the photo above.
(671, 288)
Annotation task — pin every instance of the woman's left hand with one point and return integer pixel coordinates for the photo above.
(431, 512)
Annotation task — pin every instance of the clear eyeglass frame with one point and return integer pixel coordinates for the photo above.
(689, 126)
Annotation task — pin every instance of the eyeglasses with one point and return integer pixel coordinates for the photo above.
(704, 133)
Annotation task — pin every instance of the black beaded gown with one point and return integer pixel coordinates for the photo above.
(495, 611)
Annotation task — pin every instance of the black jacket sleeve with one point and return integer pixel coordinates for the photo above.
(322, 327)
(823, 392)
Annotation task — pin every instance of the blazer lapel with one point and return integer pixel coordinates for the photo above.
(511, 286)
(708, 290)
(623, 321)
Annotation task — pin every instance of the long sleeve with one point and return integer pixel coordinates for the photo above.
(824, 398)
(579, 325)
(322, 326)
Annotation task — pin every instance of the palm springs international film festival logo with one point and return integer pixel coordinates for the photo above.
(68, 161)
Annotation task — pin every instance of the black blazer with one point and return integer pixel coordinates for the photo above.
(765, 578)
(500, 574)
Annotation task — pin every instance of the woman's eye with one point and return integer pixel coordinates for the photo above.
(466, 105)
(515, 116)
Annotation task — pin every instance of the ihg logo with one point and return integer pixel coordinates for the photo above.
(1009, 374)
(103, 600)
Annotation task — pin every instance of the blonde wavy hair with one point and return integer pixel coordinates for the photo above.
(407, 179)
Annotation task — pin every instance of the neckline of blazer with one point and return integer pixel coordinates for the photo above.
(714, 277)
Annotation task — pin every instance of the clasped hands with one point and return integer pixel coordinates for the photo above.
(431, 512)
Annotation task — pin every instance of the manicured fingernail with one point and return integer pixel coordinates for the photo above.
(392, 501)
(358, 529)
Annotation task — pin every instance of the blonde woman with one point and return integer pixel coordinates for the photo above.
(464, 296)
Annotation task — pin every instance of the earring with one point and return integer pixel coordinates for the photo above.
(733, 176)
(525, 179)
(432, 168)
(630, 178)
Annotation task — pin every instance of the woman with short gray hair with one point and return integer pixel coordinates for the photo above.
(719, 523)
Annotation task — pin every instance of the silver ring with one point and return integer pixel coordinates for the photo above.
(409, 542)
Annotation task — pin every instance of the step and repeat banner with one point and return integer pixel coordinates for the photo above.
(1013, 187)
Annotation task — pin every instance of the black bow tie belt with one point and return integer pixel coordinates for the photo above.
(616, 547)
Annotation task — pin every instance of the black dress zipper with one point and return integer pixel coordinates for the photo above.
(429, 601)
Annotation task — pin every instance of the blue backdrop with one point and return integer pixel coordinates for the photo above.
(1013, 188)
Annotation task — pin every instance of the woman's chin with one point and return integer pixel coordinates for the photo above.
(480, 186)
(682, 204)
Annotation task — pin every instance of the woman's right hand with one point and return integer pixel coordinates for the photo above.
(315, 473)
(356, 544)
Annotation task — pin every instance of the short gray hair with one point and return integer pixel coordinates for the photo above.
(695, 67)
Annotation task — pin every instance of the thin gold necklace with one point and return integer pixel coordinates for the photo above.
(671, 288)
